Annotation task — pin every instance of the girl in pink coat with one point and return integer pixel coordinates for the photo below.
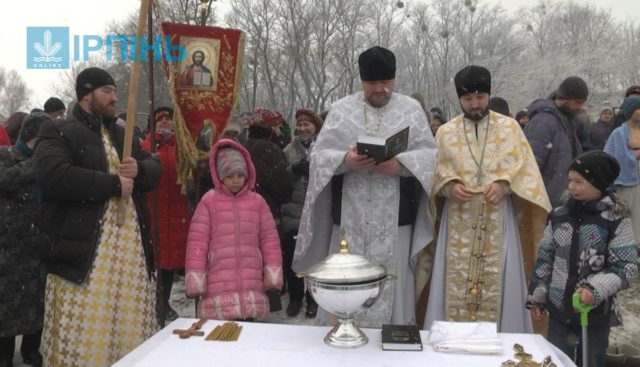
(233, 249)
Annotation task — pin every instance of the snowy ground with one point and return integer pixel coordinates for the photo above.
(627, 335)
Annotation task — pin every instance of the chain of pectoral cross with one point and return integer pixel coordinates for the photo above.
(373, 127)
(479, 175)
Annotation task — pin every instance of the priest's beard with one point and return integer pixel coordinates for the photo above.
(379, 99)
(476, 114)
(105, 111)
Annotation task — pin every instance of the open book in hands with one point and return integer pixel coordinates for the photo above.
(383, 148)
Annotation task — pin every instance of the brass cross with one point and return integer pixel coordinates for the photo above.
(526, 360)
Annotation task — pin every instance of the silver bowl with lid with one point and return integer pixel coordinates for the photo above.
(344, 284)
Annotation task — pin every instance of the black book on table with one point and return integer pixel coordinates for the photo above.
(383, 148)
(401, 337)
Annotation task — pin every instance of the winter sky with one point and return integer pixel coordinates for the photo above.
(90, 17)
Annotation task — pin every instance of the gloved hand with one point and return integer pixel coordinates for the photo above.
(301, 168)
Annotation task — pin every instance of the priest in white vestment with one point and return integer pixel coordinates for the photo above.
(492, 206)
(382, 208)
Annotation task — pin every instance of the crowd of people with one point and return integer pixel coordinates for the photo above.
(483, 217)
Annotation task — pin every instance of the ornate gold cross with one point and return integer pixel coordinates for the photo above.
(526, 359)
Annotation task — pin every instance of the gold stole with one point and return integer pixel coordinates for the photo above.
(474, 261)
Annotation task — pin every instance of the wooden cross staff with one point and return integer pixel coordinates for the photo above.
(131, 103)
(194, 330)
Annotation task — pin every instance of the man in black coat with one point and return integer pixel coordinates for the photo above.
(553, 135)
(82, 175)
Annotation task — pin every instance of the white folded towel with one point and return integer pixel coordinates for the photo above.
(465, 337)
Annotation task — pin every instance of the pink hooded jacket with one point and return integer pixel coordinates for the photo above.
(233, 248)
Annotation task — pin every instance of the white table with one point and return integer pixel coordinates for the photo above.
(278, 345)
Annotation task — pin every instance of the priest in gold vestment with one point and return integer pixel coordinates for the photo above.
(492, 205)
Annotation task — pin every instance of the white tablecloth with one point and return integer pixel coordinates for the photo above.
(277, 345)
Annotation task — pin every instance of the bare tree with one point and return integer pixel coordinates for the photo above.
(265, 56)
(351, 35)
(304, 52)
(3, 77)
(312, 35)
(538, 24)
(187, 11)
(65, 86)
(14, 94)
(388, 18)
(627, 49)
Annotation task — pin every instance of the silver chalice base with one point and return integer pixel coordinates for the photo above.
(344, 300)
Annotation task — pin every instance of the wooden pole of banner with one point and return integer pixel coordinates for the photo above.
(160, 304)
(131, 103)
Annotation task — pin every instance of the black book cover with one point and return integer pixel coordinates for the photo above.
(401, 337)
(383, 148)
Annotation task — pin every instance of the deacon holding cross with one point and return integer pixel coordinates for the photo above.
(381, 207)
(100, 292)
(486, 181)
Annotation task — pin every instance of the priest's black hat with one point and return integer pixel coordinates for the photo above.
(472, 79)
(377, 63)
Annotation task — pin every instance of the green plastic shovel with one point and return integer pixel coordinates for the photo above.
(584, 322)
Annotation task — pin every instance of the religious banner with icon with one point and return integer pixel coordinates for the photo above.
(207, 80)
(205, 83)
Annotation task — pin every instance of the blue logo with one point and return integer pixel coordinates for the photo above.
(47, 47)
(50, 47)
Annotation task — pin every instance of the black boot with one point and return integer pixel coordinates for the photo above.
(170, 314)
(33, 359)
(30, 349)
(312, 309)
(294, 308)
(7, 346)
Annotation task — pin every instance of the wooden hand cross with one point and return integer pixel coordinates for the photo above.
(194, 330)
